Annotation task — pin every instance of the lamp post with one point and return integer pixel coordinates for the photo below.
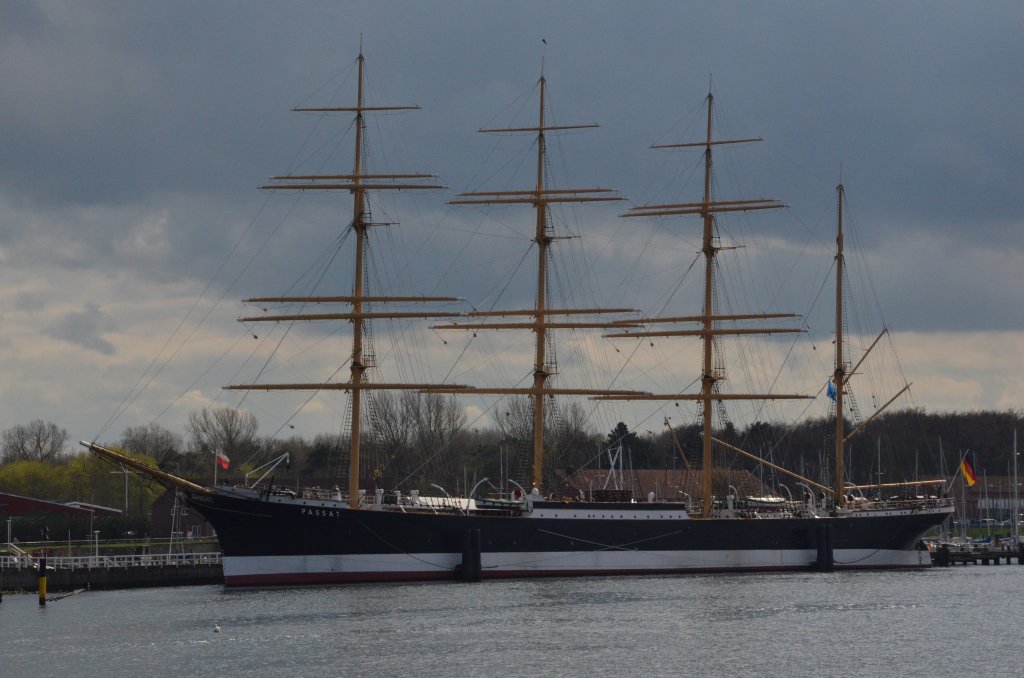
(125, 472)
(92, 514)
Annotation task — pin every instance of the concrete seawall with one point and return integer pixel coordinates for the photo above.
(110, 571)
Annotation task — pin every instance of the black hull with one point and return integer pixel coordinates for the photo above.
(269, 540)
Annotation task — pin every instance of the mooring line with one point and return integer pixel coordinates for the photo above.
(610, 547)
(396, 549)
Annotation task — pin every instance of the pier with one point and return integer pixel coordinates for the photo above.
(19, 569)
(948, 555)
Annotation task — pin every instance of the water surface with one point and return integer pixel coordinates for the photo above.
(939, 622)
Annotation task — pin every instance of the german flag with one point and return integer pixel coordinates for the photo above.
(967, 468)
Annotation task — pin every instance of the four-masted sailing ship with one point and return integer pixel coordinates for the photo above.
(271, 536)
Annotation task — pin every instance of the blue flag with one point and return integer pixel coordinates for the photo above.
(830, 391)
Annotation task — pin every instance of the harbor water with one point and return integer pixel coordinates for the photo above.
(938, 622)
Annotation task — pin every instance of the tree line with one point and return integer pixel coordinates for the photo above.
(415, 440)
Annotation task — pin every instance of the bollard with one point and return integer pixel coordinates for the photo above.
(42, 581)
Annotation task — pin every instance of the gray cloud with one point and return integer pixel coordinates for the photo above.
(185, 105)
(84, 328)
(135, 135)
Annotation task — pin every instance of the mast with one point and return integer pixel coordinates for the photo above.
(540, 373)
(709, 319)
(540, 197)
(708, 378)
(358, 183)
(357, 367)
(839, 376)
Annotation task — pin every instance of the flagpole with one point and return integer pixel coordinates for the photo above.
(963, 503)
(1016, 496)
(963, 492)
(959, 468)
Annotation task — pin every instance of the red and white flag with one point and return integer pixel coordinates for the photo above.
(223, 460)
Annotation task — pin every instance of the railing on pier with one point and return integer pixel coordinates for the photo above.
(24, 560)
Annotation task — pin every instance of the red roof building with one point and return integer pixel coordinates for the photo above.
(16, 505)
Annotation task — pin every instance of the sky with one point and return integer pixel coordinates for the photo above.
(134, 136)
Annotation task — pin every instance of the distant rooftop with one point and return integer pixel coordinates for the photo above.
(16, 505)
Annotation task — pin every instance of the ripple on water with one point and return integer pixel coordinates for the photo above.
(801, 624)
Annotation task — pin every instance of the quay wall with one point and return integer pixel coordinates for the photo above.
(64, 573)
(27, 579)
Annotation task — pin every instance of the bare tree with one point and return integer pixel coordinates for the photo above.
(573, 436)
(515, 419)
(437, 418)
(151, 440)
(414, 434)
(38, 441)
(226, 429)
(392, 427)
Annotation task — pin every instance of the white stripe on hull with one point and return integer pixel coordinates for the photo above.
(254, 569)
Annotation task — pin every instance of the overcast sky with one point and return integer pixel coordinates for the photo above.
(133, 137)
